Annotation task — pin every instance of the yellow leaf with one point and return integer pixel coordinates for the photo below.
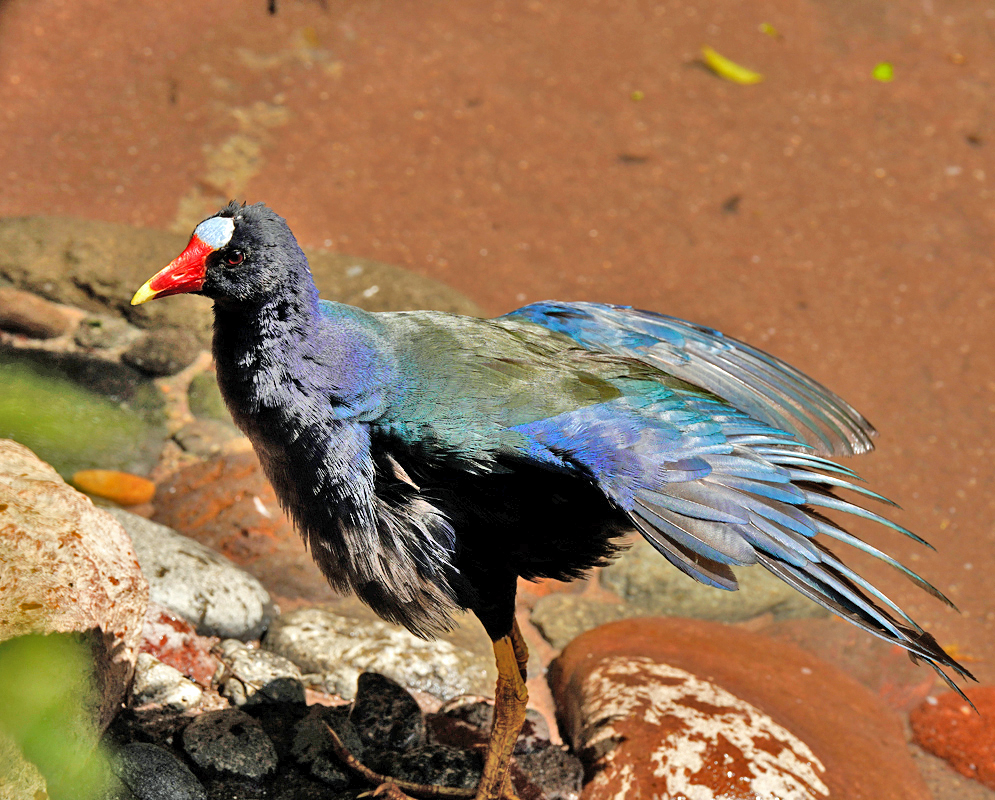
(884, 72)
(727, 69)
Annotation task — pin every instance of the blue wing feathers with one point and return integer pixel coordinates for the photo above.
(729, 468)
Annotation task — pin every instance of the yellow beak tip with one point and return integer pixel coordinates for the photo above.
(142, 295)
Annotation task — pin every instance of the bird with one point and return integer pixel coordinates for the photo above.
(430, 460)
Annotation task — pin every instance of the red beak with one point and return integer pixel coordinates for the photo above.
(186, 273)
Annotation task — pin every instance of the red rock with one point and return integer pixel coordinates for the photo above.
(122, 487)
(31, 315)
(749, 714)
(949, 728)
(882, 667)
(227, 504)
(66, 566)
(174, 641)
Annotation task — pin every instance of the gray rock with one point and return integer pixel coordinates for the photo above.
(163, 685)
(653, 587)
(230, 742)
(67, 567)
(164, 352)
(197, 583)
(104, 332)
(385, 715)
(312, 747)
(341, 648)
(252, 675)
(204, 398)
(561, 618)
(205, 437)
(153, 773)
(437, 765)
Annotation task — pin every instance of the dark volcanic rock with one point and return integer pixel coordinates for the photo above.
(436, 764)
(312, 747)
(385, 715)
(230, 742)
(154, 773)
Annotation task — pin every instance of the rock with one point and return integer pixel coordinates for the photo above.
(204, 398)
(478, 713)
(227, 504)
(165, 352)
(437, 765)
(102, 332)
(31, 315)
(97, 266)
(385, 716)
(949, 728)
(251, 675)
(651, 586)
(122, 488)
(173, 640)
(630, 692)
(230, 742)
(561, 618)
(162, 685)
(319, 640)
(66, 566)
(882, 667)
(198, 584)
(154, 773)
(205, 437)
(557, 773)
(312, 747)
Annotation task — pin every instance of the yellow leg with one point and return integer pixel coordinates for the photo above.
(510, 699)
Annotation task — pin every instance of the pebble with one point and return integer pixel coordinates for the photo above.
(165, 352)
(153, 773)
(104, 333)
(197, 583)
(230, 742)
(204, 398)
(312, 747)
(250, 675)
(173, 640)
(122, 488)
(162, 685)
(341, 648)
(205, 437)
(31, 315)
(643, 702)
(949, 728)
(385, 715)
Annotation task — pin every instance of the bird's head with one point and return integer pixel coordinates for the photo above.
(242, 254)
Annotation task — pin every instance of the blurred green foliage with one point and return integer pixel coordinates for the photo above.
(48, 705)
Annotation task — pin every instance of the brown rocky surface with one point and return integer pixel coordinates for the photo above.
(802, 695)
(31, 315)
(66, 566)
(949, 728)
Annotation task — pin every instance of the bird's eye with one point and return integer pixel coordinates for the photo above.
(235, 257)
